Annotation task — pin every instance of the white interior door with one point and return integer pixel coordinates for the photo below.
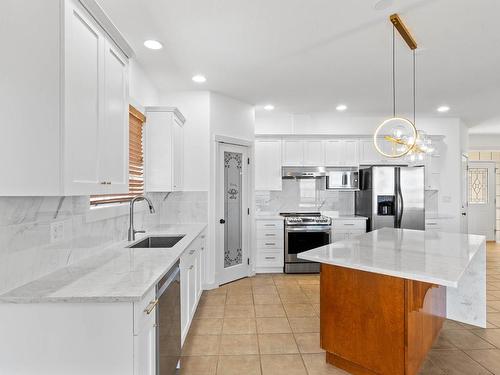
(481, 197)
(232, 244)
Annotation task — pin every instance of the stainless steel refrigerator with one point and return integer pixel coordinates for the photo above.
(391, 197)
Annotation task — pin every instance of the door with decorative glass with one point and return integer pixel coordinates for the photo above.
(232, 241)
(481, 198)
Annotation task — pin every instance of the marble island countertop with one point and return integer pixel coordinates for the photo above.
(456, 261)
(438, 258)
(117, 274)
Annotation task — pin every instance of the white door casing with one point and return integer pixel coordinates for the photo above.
(481, 199)
(232, 235)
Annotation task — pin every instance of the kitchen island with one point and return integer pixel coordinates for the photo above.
(385, 295)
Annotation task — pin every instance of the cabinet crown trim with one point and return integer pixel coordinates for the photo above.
(109, 27)
(174, 110)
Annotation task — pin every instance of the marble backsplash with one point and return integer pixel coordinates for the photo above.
(304, 195)
(26, 250)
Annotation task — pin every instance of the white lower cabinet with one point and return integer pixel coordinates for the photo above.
(432, 225)
(269, 246)
(192, 266)
(347, 229)
(145, 336)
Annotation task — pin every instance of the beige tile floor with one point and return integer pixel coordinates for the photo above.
(269, 324)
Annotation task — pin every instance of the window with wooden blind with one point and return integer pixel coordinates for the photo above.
(135, 166)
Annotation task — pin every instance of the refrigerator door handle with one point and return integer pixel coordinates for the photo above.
(400, 204)
(399, 199)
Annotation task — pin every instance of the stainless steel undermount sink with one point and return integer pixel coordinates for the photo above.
(156, 242)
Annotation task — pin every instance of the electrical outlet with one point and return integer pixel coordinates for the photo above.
(57, 231)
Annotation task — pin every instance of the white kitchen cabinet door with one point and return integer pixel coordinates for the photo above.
(84, 63)
(185, 310)
(191, 271)
(293, 152)
(164, 150)
(333, 152)
(313, 153)
(432, 173)
(350, 152)
(339, 235)
(368, 153)
(114, 130)
(178, 146)
(268, 165)
(145, 350)
(198, 270)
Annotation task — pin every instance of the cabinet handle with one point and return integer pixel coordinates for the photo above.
(270, 243)
(103, 183)
(270, 257)
(109, 182)
(270, 235)
(346, 224)
(269, 225)
(149, 309)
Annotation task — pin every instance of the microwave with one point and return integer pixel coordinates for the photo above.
(342, 178)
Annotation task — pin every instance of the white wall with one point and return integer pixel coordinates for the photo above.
(327, 123)
(488, 142)
(195, 106)
(142, 91)
(231, 118)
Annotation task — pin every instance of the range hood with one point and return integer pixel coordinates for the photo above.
(302, 172)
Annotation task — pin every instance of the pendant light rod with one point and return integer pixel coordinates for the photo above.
(403, 31)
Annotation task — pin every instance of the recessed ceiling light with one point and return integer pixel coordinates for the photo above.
(199, 78)
(269, 107)
(341, 107)
(443, 108)
(153, 44)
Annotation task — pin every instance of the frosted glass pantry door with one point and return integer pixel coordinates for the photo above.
(233, 206)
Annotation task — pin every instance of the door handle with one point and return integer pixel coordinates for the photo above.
(222, 221)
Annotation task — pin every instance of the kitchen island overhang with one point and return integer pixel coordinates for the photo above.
(385, 295)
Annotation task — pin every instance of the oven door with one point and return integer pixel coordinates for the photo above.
(299, 239)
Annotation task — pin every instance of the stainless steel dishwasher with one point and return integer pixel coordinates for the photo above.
(168, 322)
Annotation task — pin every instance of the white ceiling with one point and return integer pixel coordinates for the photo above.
(310, 55)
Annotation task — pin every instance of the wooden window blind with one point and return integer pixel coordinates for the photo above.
(135, 166)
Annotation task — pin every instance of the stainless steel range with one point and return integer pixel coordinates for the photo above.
(304, 231)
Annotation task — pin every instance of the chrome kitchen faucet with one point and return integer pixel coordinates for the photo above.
(131, 230)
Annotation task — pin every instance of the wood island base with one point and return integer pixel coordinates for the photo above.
(377, 324)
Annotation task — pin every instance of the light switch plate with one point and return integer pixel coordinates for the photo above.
(56, 231)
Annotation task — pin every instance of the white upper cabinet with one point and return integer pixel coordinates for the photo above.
(340, 152)
(84, 46)
(293, 152)
(368, 153)
(268, 164)
(313, 153)
(303, 152)
(70, 96)
(164, 146)
(114, 135)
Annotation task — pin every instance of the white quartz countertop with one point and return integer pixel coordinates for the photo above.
(117, 274)
(434, 257)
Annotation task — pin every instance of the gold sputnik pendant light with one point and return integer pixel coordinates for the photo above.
(398, 136)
